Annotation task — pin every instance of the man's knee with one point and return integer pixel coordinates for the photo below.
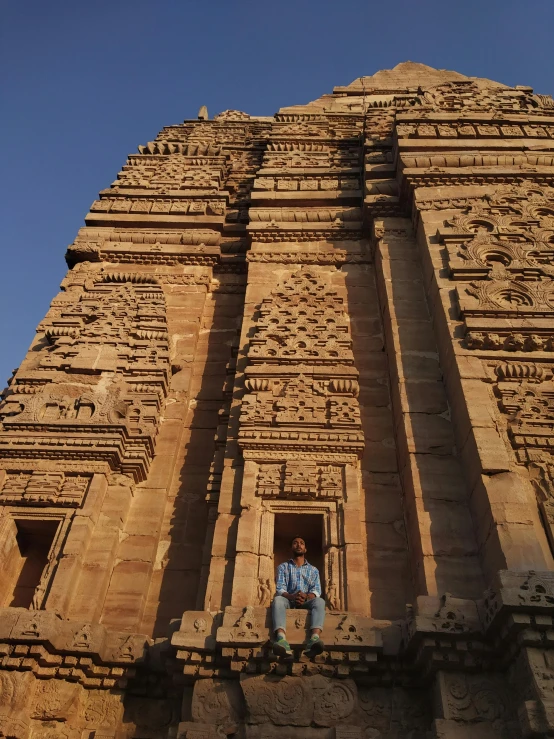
(280, 600)
(316, 603)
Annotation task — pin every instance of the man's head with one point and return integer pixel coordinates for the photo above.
(298, 546)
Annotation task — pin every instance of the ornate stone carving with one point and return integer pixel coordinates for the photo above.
(476, 698)
(264, 591)
(173, 172)
(351, 631)
(15, 696)
(218, 702)
(117, 328)
(517, 371)
(103, 710)
(505, 297)
(244, 630)
(465, 95)
(303, 330)
(56, 700)
(334, 700)
(530, 592)
(302, 479)
(504, 240)
(44, 488)
(513, 341)
(334, 257)
(285, 701)
(302, 320)
(232, 115)
(530, 410)
(197, 631)
(382, 711)
(298, 701)
(194, 149)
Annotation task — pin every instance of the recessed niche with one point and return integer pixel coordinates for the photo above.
(25, 555)
(310, 528)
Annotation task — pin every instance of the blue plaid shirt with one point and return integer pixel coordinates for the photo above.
(291, 579)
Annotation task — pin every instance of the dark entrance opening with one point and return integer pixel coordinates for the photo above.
(29, 556)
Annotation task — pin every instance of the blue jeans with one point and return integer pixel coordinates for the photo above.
(280, 605)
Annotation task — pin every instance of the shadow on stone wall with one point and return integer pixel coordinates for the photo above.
(382, 509)
(443, 547)
(192, 520)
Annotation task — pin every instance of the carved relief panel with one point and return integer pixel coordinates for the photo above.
(301, 479)
(467, 95)
(103, 362)
(301, 380)
(504, 244)
(43, 488)
(169, 173)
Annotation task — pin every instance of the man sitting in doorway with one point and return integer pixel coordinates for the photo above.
(298, 586)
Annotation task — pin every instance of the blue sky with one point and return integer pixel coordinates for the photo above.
(82, 83)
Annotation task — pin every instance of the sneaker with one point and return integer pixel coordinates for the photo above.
(281, 648)
(314, 646)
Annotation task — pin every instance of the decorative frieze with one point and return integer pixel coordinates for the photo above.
(300, 479)
(43, 488)
(178, 207)
(466, 95)
(473, 129)
(306, 184)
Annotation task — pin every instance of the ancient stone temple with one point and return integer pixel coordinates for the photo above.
(336, 322)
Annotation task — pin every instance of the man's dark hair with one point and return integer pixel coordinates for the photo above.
(297, 536)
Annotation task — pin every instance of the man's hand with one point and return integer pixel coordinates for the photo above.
(300, 598)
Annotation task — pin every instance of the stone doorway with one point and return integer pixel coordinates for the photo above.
(29, 543)
(307, 525)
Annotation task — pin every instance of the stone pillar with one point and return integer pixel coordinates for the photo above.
(440, 530)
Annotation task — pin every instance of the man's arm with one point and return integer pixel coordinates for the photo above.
(282, 582)
(314, 591)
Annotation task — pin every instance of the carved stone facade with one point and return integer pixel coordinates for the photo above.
(338, 322)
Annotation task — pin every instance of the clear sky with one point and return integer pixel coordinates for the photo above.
(83, 82)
